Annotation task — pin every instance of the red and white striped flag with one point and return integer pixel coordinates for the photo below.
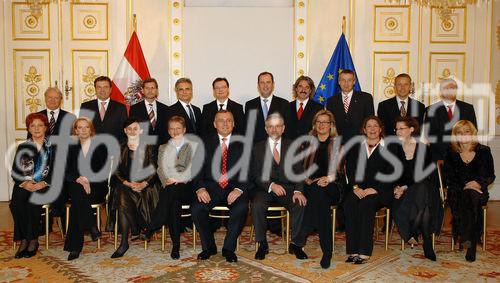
(127, 81)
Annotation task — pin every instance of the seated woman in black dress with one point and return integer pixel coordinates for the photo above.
(320, 187)
(135, 196)
(417, 207)
(469, 170)
(369, 193)
(31, 171)
(81, 189)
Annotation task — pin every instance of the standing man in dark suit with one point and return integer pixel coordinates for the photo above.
(303, 108)
(269, 172)
(266, 104)
(350, 107)
(401, 105)
(224, 189)
(441, 116)
(184, 108)
(222, 102)
(108, 115)
(152, 110)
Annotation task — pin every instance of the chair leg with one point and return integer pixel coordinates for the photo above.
(376, 226)
(98, 215)
(163, 238)
(251, 233)
(47, 216)
(59, 223)
(67, 219)
(433, 241)
(116, 230)
(145, 245)
(194, 237)
(14, 246)
(334, 222)
(402, 244)
(452, 242)
(484, 228)
(282, 225)
(287, 230)
(387, 221)
(238, 244)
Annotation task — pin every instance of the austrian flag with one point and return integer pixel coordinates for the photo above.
(127, 81)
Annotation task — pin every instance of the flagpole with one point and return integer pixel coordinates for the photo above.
(343, 24)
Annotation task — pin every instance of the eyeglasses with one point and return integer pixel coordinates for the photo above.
(323, 122)
(402, 128)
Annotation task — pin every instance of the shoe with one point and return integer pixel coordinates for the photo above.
(95, 234)
(359, 260)
(428, 250)
(146, 236)
(206, 254)
(470, 256)
(297, 251)
(20, 254)
(73, 255)
(325, 261)
(120, 251)
(229, 255)
(351, 258)
(28, 253)
(262, 251)
(174, 254)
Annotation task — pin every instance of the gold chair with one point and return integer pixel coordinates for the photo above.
(97, 207)
(218, 208)
(285, 220)
(163, 229)
(387, 216)
(334, 222)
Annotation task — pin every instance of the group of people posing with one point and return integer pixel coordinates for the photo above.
(299, 155)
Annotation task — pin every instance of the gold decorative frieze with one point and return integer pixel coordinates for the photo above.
(391, 23)
(452, 29)
(25, 26)
(87, 65)
(89, 21)
(443, 65)
(386, 66)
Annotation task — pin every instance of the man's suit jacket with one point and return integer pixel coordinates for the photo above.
(388, 112)
(60, 117)
(208, 116)
(277, 175)
(296, 127)
(437, 126)
(278, 105)
(213, 150)
(114, 118)
(177, 109)
(140, 111)
(360, 107)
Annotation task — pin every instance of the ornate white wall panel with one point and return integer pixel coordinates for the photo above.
(386, 66)
(89, 21)
(392, 23)
(443, 65)
(28, 27)
(453, 30)
(87, 65)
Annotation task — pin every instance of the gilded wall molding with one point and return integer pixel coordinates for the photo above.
(391, 23)
(89, 21)
(301, 37)
(25, 26)
(452, 30)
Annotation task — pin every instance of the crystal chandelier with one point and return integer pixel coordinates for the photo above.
(36, 6)
(445, 7)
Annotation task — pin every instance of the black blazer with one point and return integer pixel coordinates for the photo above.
(114, 118)
(278, 105)
(177, 109)
(213, 150)
(360, 107)
(140, 111)
(438, 127)
(97, 160)
(60, 117)
(277, 174)
(388, 112)
(296, 127)
(208, 116)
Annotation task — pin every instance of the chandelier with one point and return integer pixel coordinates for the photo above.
(444, 7)
(36, 6)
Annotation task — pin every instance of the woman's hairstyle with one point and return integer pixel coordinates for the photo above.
(130, 121)
(33, 116)
(333, 128)
(455, 141)
(89, 122)
(410, 122)
(379, 122)
(178, 119)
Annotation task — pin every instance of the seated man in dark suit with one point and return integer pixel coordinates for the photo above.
(184, 108)
(222, 102)
(108, 116)
(441, 116)
(401, 105)
(350, 107)
(224, 189)
(273, 184)
(264, 105)
(152, 110)
(302, 109)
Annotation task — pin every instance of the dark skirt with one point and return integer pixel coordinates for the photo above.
(27, 216)
(409, 209)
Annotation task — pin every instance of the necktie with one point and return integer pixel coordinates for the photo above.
(151, 115)
(276, 154)
(346, 103)
(299, 112)
(52, 122)
(221, 106)
(102, 110)
(223, 181)
(402, 110)
(265, 110)
(450, 113)
(192, 117)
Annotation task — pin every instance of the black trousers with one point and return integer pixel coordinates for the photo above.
(317, 215)
(81, 214)
(169, 209)
(260, 204)
(360, 219)
(469, 216)
(237, 216)
(26, 215)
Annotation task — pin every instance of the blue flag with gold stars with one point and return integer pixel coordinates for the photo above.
(341, 59)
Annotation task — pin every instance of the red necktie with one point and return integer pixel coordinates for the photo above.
(299, 112)
(223, 181)
(450, 114)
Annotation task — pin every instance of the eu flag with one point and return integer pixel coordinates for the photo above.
(341, 59)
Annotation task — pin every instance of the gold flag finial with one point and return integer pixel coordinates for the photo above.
(343, 24)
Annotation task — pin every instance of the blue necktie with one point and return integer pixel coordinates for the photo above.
(192, 117)
(265, 110)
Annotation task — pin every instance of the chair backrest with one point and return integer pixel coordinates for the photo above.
(439, 164)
